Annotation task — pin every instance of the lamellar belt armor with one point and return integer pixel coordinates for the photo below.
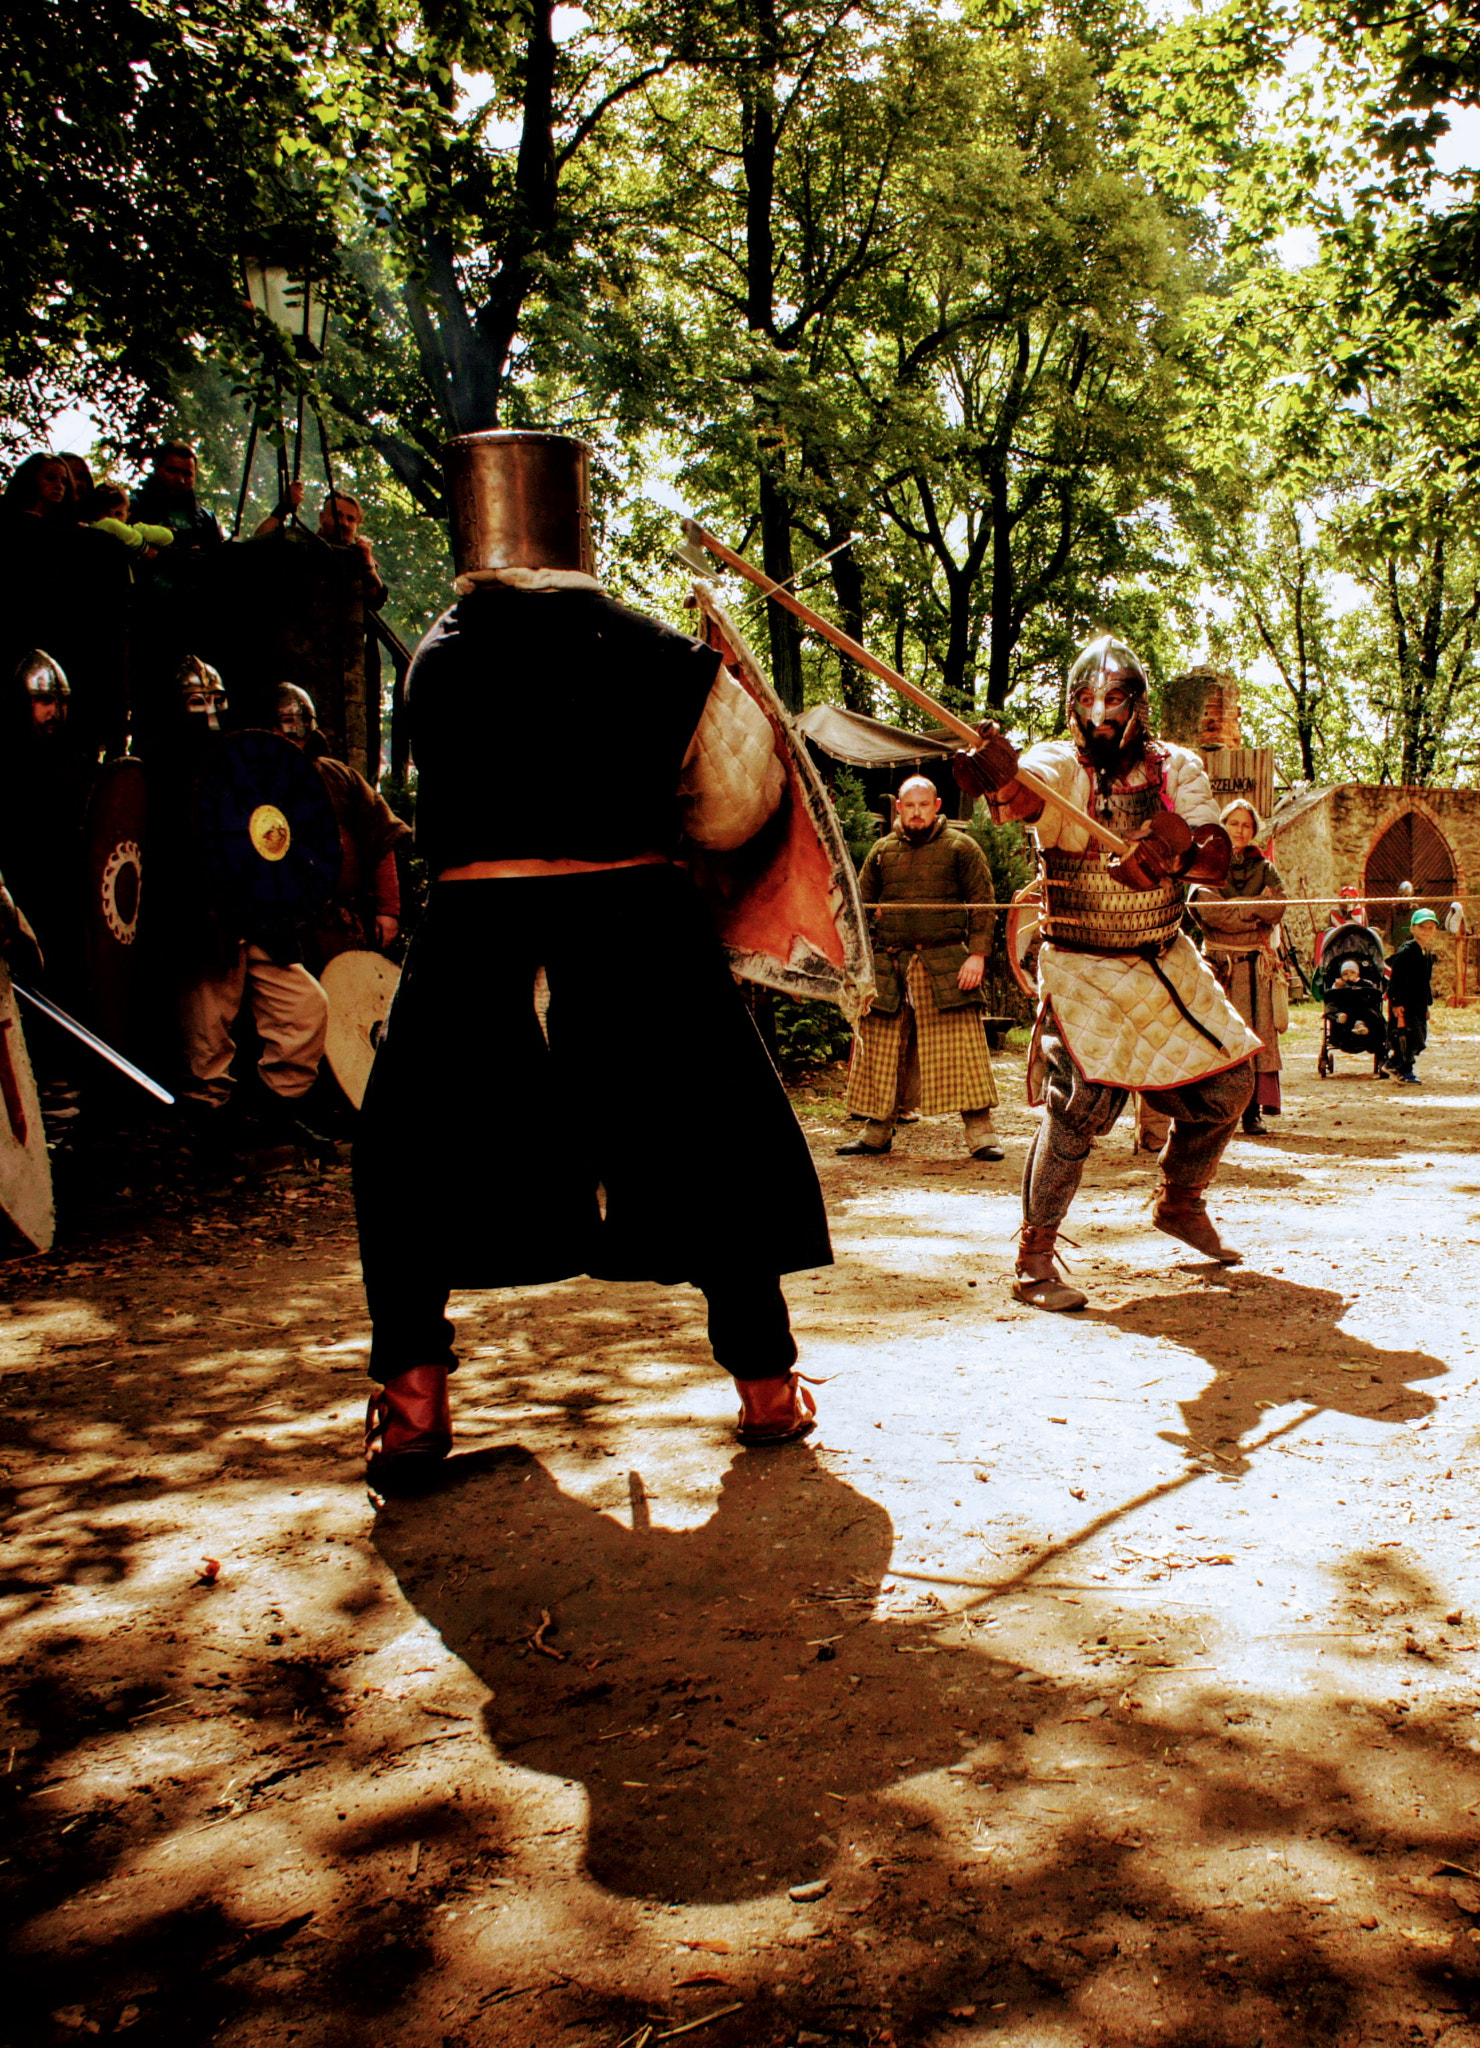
(1088, 909)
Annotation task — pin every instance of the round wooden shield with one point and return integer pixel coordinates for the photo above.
(1022, 937)
(359, 987)
(115, 835)
(266, 830)
(25, 1168)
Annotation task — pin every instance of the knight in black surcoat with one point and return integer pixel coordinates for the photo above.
(536, 1109)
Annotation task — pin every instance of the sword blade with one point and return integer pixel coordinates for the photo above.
(94, 1044)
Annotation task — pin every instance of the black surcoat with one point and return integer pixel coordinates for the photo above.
(641, 1132)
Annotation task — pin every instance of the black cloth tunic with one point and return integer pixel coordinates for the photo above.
(482, 1145)
(512, 683)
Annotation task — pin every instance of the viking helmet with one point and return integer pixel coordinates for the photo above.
(296, 717)
(1106, 663)
(195, 678)
(42, 678)
(519, 501)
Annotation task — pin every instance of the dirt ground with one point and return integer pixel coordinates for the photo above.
(985, 1717)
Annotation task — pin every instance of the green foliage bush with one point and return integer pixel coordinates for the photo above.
(859, 824)
(809, 1036)
(1008, 850)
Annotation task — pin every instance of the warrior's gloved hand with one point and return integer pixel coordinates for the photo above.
(1210, 859)
(989, 767)
(1162, 848)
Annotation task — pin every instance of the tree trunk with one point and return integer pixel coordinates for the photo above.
(776, 559)
(847, 581)
(465, 352)
(536, 202)
(758, 157)
(954, 692)
(1306, 734)
(1004, 610)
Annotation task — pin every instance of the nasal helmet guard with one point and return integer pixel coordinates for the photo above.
(1105, 665)
(296, 717)
(202, 693)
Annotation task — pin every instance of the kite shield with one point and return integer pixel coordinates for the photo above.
(25, 1169)
(786, 904)
(115, 836)
(359, 987)
(266, 832)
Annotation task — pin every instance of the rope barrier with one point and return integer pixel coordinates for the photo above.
(1229, 902)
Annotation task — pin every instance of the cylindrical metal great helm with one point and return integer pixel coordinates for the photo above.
(519, 501)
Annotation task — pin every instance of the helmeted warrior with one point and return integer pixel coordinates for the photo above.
(48, 772)
(221, 956)
(366, 910)
(535, 1110)
(1126, 1002)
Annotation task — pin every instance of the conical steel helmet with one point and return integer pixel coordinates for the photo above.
(41, 675)
(1106, 656)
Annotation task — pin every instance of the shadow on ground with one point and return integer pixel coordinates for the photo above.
(1016, 1856)
(1306, 1358)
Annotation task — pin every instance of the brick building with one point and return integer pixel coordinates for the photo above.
(1371, 839)
(1322, 840)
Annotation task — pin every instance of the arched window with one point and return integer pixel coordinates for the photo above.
(1412, 849)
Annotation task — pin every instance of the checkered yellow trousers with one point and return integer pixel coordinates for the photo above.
(922, 1058)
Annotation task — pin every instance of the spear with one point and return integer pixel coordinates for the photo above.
(698, 537)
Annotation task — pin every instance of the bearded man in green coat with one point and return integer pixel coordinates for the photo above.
(922, 1045)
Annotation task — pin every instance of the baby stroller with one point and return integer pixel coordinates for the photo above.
(1353, 975)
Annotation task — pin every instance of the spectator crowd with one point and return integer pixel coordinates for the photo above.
(135, 660)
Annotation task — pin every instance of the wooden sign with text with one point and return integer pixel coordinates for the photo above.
(1246, 772)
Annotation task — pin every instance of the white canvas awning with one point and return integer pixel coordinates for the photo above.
(867, 742)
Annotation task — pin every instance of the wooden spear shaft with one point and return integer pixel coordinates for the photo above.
(901, 685)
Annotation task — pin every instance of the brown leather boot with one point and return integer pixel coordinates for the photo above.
(775, 1411)
(1181, 1213)
(1038, 1281)
(408, 1430)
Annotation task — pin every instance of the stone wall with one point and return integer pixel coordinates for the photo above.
(1200, 709)
(1321, 843)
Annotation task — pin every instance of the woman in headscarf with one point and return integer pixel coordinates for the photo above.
(1241, 950)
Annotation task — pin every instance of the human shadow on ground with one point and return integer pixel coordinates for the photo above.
(776, 1698)
(1271, 1343)
(1019, 1882)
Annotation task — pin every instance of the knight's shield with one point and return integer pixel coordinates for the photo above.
(1024, 936)
(25, 1168)
(786, 904)
(266, 832)
(115, 836)
(359, 987)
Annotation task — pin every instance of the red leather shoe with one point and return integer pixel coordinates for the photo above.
(408, 1429)
(775, 1411)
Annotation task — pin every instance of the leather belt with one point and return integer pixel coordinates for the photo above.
(1144, 952)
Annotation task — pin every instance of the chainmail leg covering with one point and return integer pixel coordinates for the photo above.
(1076, 1113)
(1204, 1117)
